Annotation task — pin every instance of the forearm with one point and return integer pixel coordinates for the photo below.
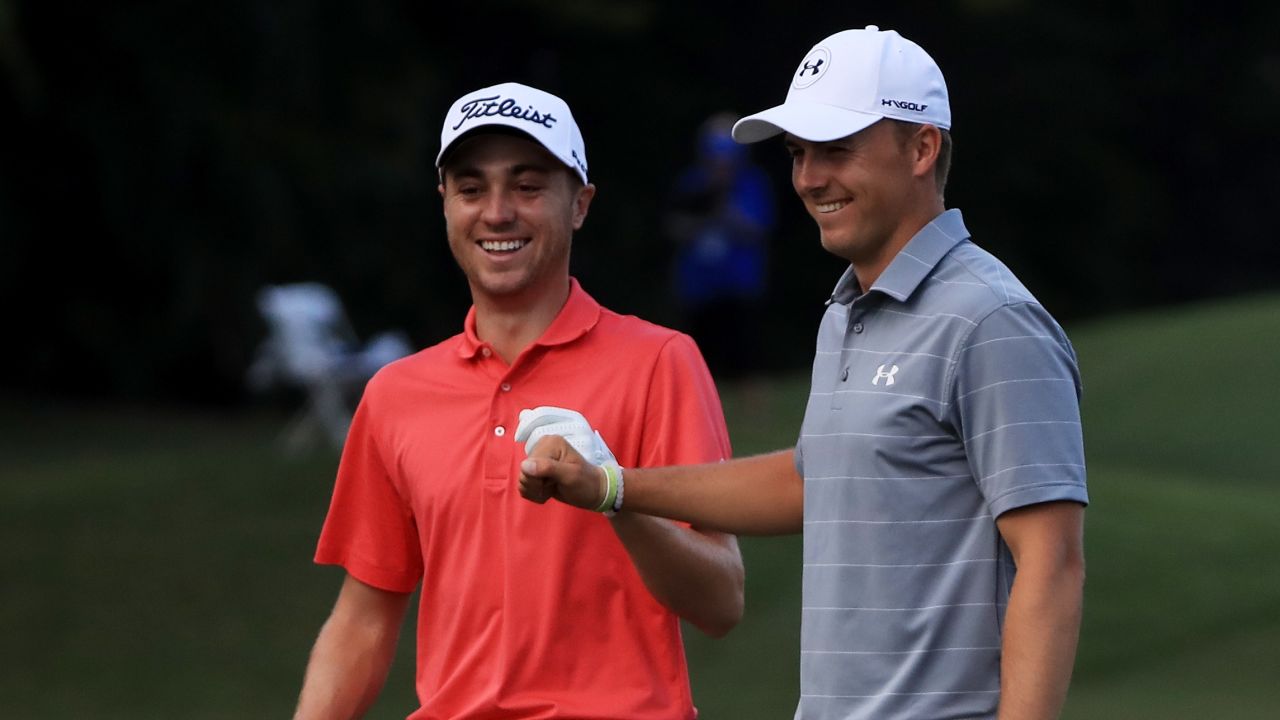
(1041, 628)
(761, 495)
(352, 654)
(698, 575)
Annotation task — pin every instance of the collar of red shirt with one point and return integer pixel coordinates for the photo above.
(580, 313)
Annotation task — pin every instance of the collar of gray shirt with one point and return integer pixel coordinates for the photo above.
(912, 264)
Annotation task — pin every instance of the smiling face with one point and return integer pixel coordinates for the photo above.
(865, 192)
(510, 210)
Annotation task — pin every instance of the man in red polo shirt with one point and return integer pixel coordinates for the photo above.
(526, 611)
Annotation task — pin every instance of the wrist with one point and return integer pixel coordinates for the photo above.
(611, 486)
(616, 505)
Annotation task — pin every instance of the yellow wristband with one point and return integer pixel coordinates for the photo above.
(617, 501)
(610, 488)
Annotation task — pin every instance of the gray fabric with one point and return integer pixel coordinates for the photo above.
(941, 398)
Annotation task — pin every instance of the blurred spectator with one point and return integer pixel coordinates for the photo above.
(720, 215)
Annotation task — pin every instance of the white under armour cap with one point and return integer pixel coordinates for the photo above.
(850, 80)
(540, 115)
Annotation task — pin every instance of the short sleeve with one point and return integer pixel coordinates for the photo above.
(684, 423)
(369, 530)
(1016, 403)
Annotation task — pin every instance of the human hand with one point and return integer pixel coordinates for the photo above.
(543, 421)
(565, 456)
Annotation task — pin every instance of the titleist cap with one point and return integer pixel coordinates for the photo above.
(542, 116)
(850, 80)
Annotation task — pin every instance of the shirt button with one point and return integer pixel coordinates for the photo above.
(499, 431)
(506, 387)
(844, 375)
(486, 352)
(857, 327)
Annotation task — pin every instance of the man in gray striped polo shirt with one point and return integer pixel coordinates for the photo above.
(941, 448)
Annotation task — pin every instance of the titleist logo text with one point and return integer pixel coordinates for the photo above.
(496, 105)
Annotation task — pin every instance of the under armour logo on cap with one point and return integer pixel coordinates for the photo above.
(812, 67)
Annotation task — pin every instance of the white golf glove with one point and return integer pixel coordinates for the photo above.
(539, 422)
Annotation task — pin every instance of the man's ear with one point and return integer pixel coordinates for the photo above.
(926, 143)
(582, 203)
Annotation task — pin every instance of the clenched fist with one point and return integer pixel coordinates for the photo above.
(565, 458)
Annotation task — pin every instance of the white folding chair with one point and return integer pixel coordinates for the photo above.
(311, 346)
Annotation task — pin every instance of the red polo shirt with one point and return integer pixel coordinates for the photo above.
(527, 611)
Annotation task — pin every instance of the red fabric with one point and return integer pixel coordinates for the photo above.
(527, 611)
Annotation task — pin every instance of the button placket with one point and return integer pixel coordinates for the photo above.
(842, 369)
(501, 450)
(498, 449)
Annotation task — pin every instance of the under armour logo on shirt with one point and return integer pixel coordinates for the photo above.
(886, 374)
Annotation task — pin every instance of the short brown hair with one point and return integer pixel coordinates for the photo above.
(942, 168)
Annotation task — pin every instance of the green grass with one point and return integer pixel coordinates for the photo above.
(156, 563)
(1183, 534)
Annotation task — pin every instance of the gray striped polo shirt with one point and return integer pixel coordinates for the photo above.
(941, 398)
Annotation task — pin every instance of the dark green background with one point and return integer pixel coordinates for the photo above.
(160, 161)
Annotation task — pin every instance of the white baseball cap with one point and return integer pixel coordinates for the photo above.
(850, 80)
(540, 115)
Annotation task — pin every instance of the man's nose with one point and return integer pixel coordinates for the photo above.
(499, 209)
(807, 175)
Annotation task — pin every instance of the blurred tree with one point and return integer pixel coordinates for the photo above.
(160, 161)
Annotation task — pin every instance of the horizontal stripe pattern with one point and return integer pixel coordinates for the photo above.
(941, 398)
